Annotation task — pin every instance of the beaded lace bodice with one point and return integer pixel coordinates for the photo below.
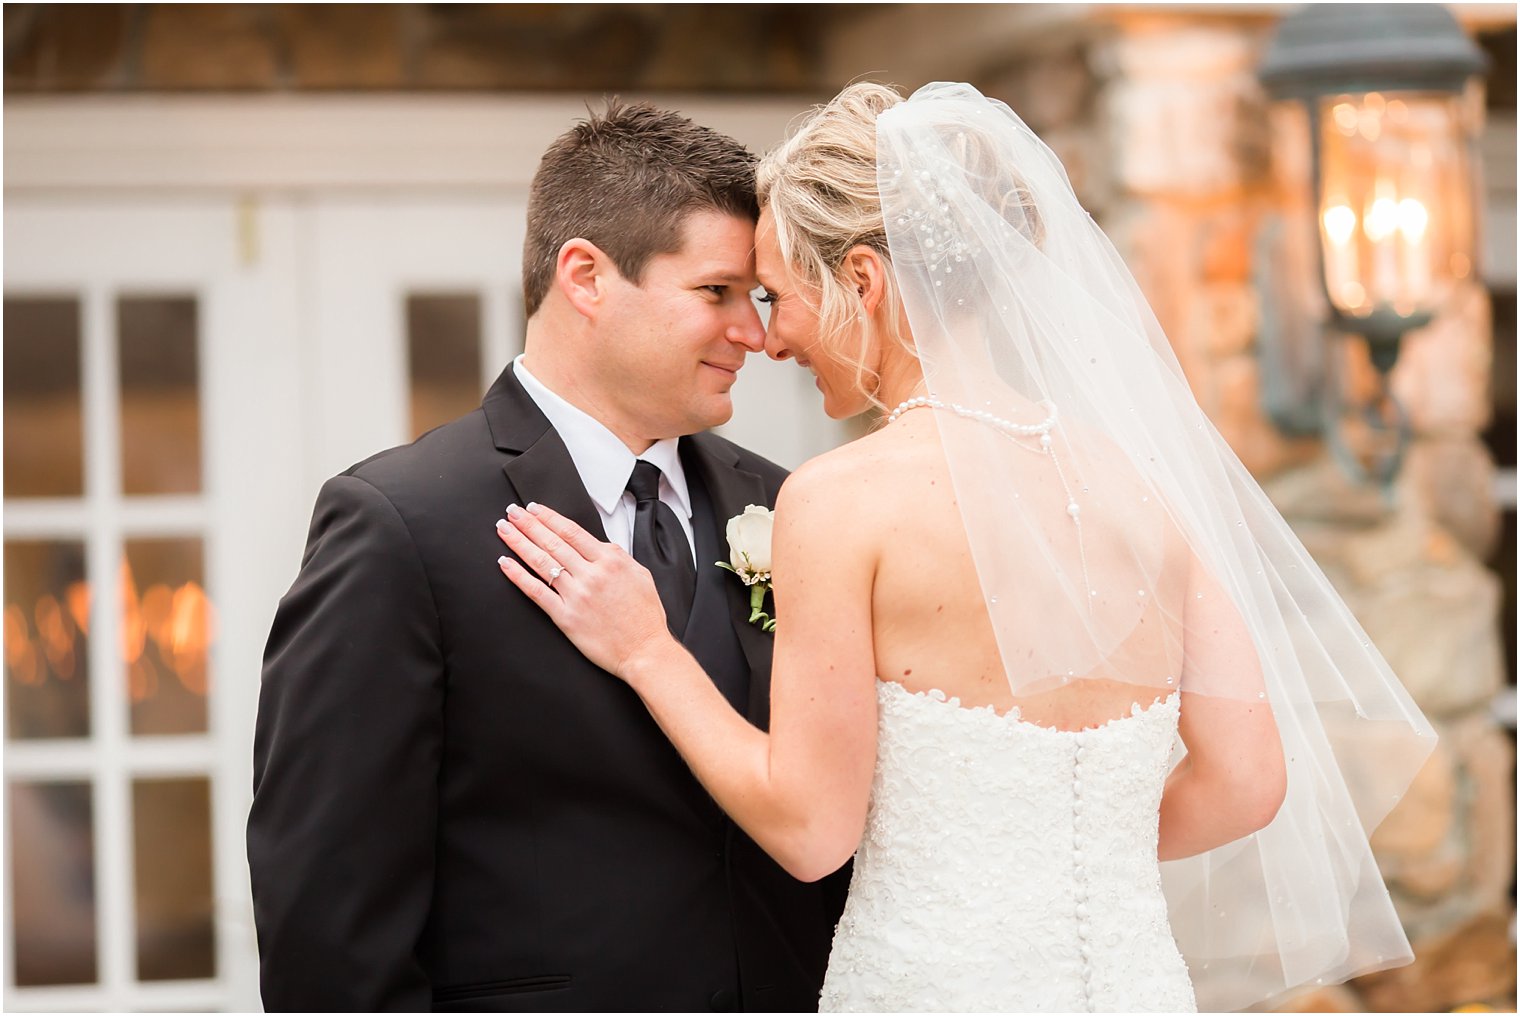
(1009, 867)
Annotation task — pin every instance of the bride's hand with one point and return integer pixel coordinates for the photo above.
(602, 599)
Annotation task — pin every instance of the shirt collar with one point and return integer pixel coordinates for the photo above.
(602, 460)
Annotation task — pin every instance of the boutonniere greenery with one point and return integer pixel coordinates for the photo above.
(749, 557)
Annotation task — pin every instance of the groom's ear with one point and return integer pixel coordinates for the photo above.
(580, 274)
(864, 269)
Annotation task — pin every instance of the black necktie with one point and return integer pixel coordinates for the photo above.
(660, 545)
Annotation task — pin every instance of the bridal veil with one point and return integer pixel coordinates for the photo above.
(1117, 537)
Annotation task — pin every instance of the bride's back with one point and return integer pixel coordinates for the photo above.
(930, 619)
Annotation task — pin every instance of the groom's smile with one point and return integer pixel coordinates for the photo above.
(731, 372)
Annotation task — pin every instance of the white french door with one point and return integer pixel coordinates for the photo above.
(149, 353)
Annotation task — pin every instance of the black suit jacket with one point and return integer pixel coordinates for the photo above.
(453, 809)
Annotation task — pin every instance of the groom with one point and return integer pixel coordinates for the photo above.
(452, 808)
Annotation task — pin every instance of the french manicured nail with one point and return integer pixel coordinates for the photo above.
(502, 561)
(503, 526)
(533, 507)
(512, 509)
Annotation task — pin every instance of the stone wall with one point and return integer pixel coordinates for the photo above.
(414, 47)
(1174, 148)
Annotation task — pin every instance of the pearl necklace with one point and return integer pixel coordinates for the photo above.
(1012, 431)
(1044, 427)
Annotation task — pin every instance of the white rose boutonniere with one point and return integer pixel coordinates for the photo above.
(749, 557)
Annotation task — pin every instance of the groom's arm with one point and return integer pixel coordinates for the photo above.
(346, 758)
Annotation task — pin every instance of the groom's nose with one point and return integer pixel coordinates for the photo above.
(747, 330)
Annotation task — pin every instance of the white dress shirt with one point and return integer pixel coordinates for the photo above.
(605, 464)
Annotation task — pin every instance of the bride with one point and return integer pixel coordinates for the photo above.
(1048, 664)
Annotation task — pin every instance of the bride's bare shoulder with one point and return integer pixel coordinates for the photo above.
(852, 477)
(820, 482)
(830, 514)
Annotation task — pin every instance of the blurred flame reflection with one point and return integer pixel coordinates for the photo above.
(178, 621)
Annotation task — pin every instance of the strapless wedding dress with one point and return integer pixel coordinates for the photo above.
(1009, 867)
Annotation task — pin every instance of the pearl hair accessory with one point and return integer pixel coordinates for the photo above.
(1013, 431)
(942, 245)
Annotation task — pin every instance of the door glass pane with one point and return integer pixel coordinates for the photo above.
(443, 357)
(47, 621)
(160, 395)
(171, 822)
(44, 426)
(167, 628)
(52, 882)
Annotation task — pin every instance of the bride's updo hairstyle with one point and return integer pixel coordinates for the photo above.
(820, 186)
(822, 189)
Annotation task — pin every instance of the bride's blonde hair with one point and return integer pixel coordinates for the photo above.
(820, 186)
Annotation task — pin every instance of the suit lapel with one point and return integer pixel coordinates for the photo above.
(541, 470)
(731, 490)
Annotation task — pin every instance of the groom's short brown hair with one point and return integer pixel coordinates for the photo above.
(626, 179)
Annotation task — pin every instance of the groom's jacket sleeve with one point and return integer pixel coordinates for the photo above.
(346, 761)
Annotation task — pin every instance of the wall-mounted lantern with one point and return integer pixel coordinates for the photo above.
(1390, 94)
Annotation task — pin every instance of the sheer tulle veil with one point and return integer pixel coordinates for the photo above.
(1118, 537)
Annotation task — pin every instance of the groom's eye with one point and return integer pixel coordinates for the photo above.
(716, 290)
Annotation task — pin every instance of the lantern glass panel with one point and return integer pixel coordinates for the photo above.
(1395, 200)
